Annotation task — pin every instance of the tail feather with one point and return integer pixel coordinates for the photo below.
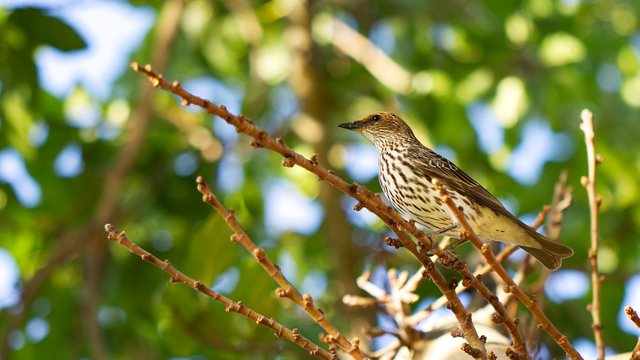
(551, 253)
(547, 259)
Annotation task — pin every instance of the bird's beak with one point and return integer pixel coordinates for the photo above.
(352, 125)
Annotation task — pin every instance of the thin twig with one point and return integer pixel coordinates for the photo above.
(286, 289)
(510, 285)
(361, 49)
(633, 316)
(562, 198)
(484, 270)
(593, 160)
(72, 242)
(230, 306)
(365, 197)
(462, 286)
(469, 279)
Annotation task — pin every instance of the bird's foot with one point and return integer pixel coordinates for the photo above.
(454, 245)
(445, 230)
(452, 260)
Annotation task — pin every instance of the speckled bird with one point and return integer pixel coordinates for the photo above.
(406, 168)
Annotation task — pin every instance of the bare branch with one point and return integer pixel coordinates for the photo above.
(589, 183)
(368, 199)
(633, 316)
(230, 306)
(286, 289)
(89, 238)
(562, 198)
(360, 49)
(510, 285)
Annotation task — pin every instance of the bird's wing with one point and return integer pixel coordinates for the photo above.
(436, 166)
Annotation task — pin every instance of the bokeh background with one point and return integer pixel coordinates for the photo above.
(496, 86)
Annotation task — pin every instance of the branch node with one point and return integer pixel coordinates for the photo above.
(456, 332)
(282, 292)
(308, 301)
(288, 162)
(259, 254)
(453, 284)
(497, 318)
(584, 181)
(599, 159)
(393, 242)
(314, 159)
(475, 353)
(198, 285)
(256, 144)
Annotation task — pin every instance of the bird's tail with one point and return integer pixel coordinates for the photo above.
(551, 253)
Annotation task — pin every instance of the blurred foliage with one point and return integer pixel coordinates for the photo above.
(527, 61)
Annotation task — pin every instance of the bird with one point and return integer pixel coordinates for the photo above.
(406, 168)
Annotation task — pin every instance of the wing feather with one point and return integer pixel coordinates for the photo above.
(434, 165)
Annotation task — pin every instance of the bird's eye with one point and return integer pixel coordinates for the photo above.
(376, 117)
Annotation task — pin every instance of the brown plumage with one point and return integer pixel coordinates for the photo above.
(406, 168)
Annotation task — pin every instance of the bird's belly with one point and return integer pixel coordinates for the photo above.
(419, 201)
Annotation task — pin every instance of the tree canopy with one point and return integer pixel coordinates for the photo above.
(496, 87)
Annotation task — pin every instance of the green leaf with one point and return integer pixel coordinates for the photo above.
(41, 28)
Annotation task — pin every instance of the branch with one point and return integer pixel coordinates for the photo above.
(72, 242)
(562, 198)
(510, 285)
(286, 289)
(589, 183)
(365, 197)
(360, 49)
(633, 316)
(230, 306)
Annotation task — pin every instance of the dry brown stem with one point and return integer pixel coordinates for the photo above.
(562, 198)
(510, 285)
(368, 199)
(286, 289)
(230, 306)
(589, 183)
(89, 239)
(633, 316)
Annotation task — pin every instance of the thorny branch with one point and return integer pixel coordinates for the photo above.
(365, 197)
(230, 306)
(286, 289)
(589, 182)
(510, 286)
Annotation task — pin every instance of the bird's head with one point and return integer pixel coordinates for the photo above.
(382, 128)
